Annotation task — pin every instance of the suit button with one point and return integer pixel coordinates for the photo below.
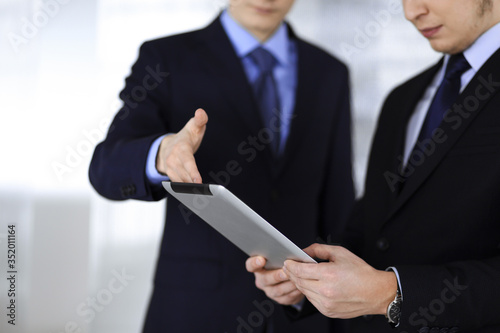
(128, 191)
(132, 189)
(383, 244)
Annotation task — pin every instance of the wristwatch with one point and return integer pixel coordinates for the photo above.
(394, 310)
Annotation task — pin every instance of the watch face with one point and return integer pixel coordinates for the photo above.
(394, 312)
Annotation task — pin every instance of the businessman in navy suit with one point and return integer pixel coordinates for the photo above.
(428, 226)
(295, 170)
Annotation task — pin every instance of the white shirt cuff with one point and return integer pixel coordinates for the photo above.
(395, 270)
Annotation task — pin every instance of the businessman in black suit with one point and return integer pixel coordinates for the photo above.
(292, 166)
(428, 226)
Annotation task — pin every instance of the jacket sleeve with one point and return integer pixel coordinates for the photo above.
(462, 295)
(117, 169)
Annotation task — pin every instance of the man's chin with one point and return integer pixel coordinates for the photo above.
(447, 47)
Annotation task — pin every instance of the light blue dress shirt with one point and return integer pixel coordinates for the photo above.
(285, 74)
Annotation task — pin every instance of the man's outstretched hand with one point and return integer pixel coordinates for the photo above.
(176, 152)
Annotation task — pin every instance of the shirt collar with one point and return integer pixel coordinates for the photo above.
(483, 48)
(244, 42)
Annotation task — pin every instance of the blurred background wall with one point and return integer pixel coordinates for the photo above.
(85, 264)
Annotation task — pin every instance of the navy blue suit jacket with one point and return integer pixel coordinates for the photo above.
(201, 284)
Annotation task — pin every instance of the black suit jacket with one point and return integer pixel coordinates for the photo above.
(438, 222)
(201, 284)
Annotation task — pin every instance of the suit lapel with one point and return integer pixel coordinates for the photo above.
(408, 100)
(298, 122)
(388, 145)
(237, 91)
(472, 101)
(231, 80)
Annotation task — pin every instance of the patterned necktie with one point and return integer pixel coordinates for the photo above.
(446, 95)
(266, 93)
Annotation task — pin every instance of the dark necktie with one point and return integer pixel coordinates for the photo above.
(446, 95)
(266, 93)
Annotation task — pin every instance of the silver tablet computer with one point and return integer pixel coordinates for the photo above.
(237, 222)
